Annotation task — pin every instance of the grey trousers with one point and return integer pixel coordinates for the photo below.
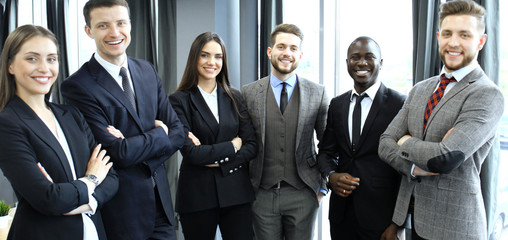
(284, 213)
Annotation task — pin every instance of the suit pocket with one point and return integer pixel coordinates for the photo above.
(311, 160)
(458, 185)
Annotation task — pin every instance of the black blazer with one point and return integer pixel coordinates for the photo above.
(24, 141)
(200, 187)
(374, 200)
(138, 157)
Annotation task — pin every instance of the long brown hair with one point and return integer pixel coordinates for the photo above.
(191, 76)
(12, 45)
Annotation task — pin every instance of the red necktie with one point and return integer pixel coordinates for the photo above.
(436, 96)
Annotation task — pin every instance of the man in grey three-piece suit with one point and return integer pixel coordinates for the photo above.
(285, 110)
(440, 151)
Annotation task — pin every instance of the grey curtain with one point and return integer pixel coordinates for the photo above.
(7, 24)
(56, 10)
(271, 16)
(8, 19)
(489, 61)
(426, 61)
(154, 39)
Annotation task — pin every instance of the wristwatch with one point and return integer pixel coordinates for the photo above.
(93, 178)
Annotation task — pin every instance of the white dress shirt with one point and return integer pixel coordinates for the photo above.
(212, 101)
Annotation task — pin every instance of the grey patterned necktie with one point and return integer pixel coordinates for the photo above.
(127, 87)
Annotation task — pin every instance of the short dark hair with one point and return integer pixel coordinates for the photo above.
(92, 4)
(463, 7)
(364, 38)
(285, 28)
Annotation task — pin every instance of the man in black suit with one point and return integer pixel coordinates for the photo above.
(365, 187)
(128, 111)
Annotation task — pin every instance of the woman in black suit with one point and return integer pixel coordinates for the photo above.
(47, 151)
(214, 186)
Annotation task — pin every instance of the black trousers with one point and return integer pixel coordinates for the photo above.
(235, 223)
(163, 230)
(350, 229)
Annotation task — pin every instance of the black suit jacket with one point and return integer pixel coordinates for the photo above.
(25, 141)
(141, 155)
(201, 187)
(374, 200)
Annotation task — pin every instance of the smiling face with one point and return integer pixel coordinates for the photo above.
(363, 63)
(459, 41)
(35, 67)
(110, 27)
(285, 55)
(210, 61)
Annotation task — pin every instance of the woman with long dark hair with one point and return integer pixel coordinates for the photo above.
(47, 152)
(214, 188)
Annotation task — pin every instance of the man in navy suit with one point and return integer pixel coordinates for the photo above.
(128, 111)
(365, 188)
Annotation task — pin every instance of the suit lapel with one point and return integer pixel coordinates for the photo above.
(39, 128)
(200, 104)
(344, 114)
(377, 104)
(262, 86)
(302, 108)
(105, 80)
(225, 109)
(459, 87)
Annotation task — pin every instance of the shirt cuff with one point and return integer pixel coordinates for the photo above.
(412, 170)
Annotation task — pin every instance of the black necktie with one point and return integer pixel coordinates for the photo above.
(283, 98)
(127, 87)
(357, 120)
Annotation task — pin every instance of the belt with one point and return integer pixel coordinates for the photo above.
(280, 184)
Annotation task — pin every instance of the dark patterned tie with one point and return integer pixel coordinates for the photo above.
(357, 120)
(127, 87)
(283, 98)
(436, 96)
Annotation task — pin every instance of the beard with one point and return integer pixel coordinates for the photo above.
(275, 65)
(468, 59)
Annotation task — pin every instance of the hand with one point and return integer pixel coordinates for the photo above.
(115, 132)
(447, 133)
(212, 165)
(99, 164)
(194, 139)
(44, 172)
(343, 184)
(237, 142)
(403, 139)
(159, 123)
(390, 232)
(422, 173)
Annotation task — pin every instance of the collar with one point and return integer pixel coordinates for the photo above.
(371, 91)
(461, 73)
(111, 68)
(274, 81)
(204, 93)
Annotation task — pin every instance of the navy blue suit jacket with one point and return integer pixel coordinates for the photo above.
(200, 187)
(374, 200)
(25, 141)
(141, 155)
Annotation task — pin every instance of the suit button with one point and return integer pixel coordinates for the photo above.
(231, 171)
(236, 169)
(226, 159)
(216, 162)
(282, 149)
(240, 166)
(222, 161)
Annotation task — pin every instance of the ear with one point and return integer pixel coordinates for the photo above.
(380, 63)
(269, 53)
(11, 70)
(483, 40)
(88, 31)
